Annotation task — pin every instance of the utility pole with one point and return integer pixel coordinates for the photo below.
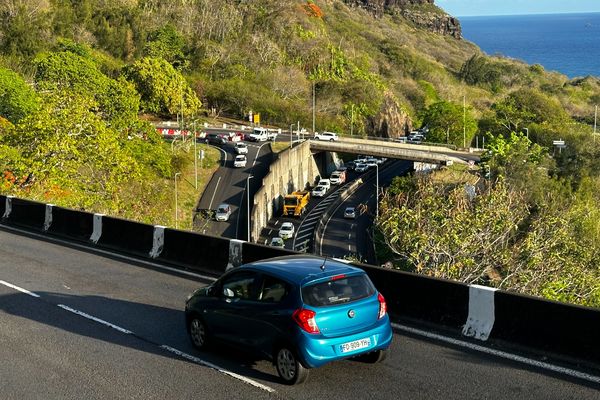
(248, 203)
(595, 118)
(195, 154)
(351, 119)
(313, 107)
(176, 205)
(464, 122)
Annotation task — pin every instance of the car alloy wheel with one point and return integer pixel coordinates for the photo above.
(198, 333)
(289, 368)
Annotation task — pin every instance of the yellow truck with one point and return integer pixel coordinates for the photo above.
(295, 203)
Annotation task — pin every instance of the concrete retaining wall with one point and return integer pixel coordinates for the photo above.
(294, 169)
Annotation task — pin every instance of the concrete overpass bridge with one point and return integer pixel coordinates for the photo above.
(389, 149)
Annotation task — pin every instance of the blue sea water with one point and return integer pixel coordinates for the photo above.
(567, 43)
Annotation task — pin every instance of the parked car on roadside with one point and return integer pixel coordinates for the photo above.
(299, 311)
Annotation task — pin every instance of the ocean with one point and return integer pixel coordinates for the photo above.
(567, 43)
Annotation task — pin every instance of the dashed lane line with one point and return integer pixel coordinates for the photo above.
(170, 349)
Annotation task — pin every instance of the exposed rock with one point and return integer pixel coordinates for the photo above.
(422, 13)
(391, 121)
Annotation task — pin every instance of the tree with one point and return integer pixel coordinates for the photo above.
(527, 106)
(72, 153)
(163, 89)
(449, 123)
(169, 44)
(116, 101)
(17, 99)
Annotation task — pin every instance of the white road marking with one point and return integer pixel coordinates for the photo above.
(501, 354)
(216, 367)
(91, 317)
(165, 347)
(215, 192)
(10, 285)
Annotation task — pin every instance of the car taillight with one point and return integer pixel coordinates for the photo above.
(306, 320)
(382, 306)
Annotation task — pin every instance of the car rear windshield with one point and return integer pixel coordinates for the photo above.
(340, 289)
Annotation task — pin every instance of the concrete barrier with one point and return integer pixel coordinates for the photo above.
(194, 252)
(416, 297)
(549, 327)
(126, 236)
(24, 214)
(71, 224)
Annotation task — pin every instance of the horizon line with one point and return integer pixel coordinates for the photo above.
(532, 13)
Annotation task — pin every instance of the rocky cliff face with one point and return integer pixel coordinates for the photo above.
(391, 121)
(422, 13)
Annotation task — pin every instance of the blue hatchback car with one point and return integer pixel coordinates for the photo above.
(299, 311)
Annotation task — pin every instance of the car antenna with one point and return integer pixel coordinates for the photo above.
(323, 265)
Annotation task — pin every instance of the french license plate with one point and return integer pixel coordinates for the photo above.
(355, 345)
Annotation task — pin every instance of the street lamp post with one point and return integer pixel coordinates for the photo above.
(195, 155)
(176, 205)
(248, 202)
(526, 132)
(376, 191)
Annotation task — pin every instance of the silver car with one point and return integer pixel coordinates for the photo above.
(223, 212)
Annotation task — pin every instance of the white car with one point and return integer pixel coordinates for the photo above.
(241, 148)
(319, 191)
(240, 161)
(324, 182)
(286, 231)
(330, 136)
(337, 177)
(223, 212)
(360, 167)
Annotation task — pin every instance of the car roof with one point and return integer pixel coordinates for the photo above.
(225, 205)
(287, 224)
(301, 269)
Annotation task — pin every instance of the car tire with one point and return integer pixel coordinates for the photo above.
(374, 357)
(198, 333)
(289, 368)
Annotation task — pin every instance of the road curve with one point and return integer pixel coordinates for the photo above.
(51, 348)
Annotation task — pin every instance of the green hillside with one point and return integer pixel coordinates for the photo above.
(80, 79)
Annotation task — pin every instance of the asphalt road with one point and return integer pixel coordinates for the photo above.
(51, 348)
(351, 237)
(228, 185)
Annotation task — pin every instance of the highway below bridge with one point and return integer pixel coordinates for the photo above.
(76, 324)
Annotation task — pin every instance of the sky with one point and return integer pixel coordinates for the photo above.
(463, 8)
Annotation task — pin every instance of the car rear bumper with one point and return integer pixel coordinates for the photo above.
(317, 350)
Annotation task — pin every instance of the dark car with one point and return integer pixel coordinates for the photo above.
(215, 139)
(299, 311)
